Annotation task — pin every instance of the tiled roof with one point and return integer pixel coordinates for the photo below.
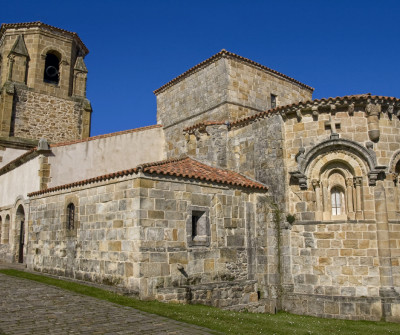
(106, 135)
(5, 26)
(310, 103)
(183, 167)
(189, 168)
(226, 54)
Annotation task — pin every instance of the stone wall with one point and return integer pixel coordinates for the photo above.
(38, 115)
(253, 149)
(224, 88)
(233, 295)
(135, 232)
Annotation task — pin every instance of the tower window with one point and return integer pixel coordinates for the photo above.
(70, 216)
(273, 101)
(51, 69)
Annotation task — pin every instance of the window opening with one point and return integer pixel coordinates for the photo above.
(51, 69)
(71, 216)
(198, 224)
(273, 101)
(336, 197)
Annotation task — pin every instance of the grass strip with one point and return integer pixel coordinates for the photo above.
(225, 321)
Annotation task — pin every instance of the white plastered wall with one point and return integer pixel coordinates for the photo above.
(10, 154)
(19, 182)
(93, 158)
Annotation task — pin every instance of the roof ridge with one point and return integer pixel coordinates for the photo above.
(92, 138)
(225, 53)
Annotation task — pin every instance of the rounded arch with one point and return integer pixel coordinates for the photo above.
(348, 162)
(337, 179)
(52, 50)
(394, 163)
(334, 145)
(20, 229)
(20, 213)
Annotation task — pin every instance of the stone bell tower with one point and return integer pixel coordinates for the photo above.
(42, 84)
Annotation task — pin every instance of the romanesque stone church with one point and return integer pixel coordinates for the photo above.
(246, 194)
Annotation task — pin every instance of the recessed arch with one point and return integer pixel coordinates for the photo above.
(20, 229)
(338, 145)
(394, 163)
(348, 162)
(337, 179)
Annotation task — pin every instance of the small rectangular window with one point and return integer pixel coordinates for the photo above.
(273, 101)
(198, 226)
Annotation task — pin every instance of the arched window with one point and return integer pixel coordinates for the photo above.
(51, 69)
(337, 201)
(71, 216)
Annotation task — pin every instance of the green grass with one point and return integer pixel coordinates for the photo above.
(225, 321)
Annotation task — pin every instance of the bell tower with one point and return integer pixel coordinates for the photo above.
(42, 84)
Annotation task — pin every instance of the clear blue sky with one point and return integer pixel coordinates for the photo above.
(338, 47)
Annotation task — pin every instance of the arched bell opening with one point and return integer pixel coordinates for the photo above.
(52, 68)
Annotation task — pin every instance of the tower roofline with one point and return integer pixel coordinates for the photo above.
(38, 24)
(226, 54)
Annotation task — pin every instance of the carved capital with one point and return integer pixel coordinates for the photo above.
(315, 183)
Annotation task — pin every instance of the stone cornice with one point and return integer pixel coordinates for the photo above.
(348, 103)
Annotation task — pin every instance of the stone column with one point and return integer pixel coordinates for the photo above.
(318, 200)
(383, 236)
(327, 209)
(349, 193)
(359, 214)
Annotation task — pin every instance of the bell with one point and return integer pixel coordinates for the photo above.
(51, 71)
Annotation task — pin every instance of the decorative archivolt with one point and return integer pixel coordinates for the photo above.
(394, 162)
(347, 161)
(364, 158)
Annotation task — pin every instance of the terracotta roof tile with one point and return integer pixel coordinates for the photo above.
(106, 135)
(226, 54)
(183, 167)
(189, 168)
(5, 26)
